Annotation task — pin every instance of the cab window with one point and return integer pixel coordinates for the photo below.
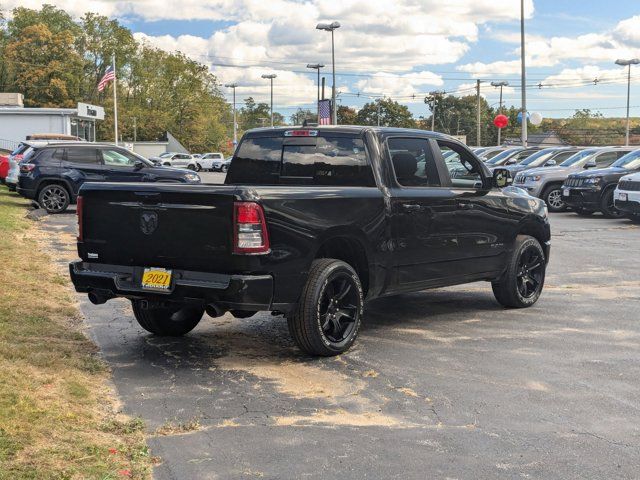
(115, 158)
(413, 162)
(462, 168)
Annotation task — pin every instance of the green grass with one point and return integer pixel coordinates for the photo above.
(58, 415)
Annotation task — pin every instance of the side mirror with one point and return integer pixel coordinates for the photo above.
(511, 161)
(501, 178)
(138, 165)
(590, 164)
(550, 163)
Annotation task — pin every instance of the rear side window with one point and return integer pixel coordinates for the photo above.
(257, 161)
(82, 155)
(331, 161)
(606, 159)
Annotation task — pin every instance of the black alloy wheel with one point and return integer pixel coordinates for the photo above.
(608, 207)
(339, 307)
(54, 198)
(530, 272)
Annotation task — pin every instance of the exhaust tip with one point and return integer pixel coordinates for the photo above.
(97, 299)
(214, 310)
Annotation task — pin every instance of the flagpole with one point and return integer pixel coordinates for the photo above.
(115, 100)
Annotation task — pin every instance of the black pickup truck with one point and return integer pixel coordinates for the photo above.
(311, 222)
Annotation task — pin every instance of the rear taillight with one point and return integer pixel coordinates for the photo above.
(250, 229)
(79, 205)
(26, 167)
(18, 157)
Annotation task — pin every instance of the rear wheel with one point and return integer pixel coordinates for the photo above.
(166, 319)
(192, 167)
(328, 316)
(198, 167)
(608, 207)
(54, 198)
(224, 168)
(552, 196)
(521, 284)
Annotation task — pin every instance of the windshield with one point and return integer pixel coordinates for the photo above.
(630, 161)
(21, 148)
(489, 155)
(165, 154)
(502, 156)
(538, 157)
(578, 156)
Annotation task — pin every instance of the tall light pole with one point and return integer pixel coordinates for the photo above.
(330, 27)
(501, 85)
(479, 117)
(317, 66)
(235, 123)
(524, 76)
(271, 76)
(628, 63)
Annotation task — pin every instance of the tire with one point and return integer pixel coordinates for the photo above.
(583, 212)
(552, 196)
(166, 164)
(173, 320)
(331, 294)
(224, 169)
(522, 282)
(198, 167)
(54, 198)
(634, 218)
(607, 206)
(192, 167)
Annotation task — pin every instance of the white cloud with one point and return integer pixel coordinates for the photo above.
(399, 85)
(629, 30)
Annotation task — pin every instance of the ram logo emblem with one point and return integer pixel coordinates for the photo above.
(148, 222)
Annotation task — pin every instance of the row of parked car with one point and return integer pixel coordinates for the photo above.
(213, 162)
(584, 179)
(51, 172)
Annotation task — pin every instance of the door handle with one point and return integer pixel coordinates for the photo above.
(465, 206)
(412, 207)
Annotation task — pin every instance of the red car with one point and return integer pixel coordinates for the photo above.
(4, 167)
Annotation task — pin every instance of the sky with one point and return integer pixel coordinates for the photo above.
(402, 49)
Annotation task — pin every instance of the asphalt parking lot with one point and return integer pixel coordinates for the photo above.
(440, 384)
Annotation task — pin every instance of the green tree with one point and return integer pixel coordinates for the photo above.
(346, 115)
(302, 114)
(385, 112)
(254, 115)
(45, 67)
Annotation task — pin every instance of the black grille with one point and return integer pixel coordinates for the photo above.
(574, 182)
(629, 186)
(519, 179)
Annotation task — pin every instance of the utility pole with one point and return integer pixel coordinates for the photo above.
(434, 95)
(478, 126)
(317, 66)
(524, 76)
(378, 112)
(501, 85)
(115, 99)
(235, 122)
(135, 130)
(270, 77)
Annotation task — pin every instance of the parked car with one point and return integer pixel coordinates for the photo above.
(15, 158)
(511, 156)
(546, 183)
(593, 190)
(4, 167)
(173, 159)
(547, 157)
(211, 161)
(490, 152)
(52, 174)
(627, 196)
(310, 223)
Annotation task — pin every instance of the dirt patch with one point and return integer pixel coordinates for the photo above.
(340, 417)
(430, 335)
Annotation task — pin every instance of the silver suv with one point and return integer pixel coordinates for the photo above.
(545, 182)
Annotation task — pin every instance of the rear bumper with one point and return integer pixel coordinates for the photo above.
(242, 292)
(26, 192)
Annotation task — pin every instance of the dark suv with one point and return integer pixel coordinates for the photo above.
(53, 174)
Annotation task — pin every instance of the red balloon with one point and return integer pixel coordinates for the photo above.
(501, 121)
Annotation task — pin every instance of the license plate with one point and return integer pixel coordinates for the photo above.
(623, 196)
(566, 192)
(156, 279)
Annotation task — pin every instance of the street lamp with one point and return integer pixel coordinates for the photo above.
(501, 85)
(235, 124)
(317, 66)
(524, 76)
(330, 27)
(628, 63)
(271, 76)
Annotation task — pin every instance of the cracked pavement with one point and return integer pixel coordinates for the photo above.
(440, 384)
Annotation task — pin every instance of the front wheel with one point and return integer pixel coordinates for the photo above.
(552, 196)
(224, 168)
(328, 316)
(192, 167)
(521, 284)
(167, 320)
(198, 167)
(54, 198)
(608, 207)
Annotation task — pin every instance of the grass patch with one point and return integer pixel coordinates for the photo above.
(58, 415)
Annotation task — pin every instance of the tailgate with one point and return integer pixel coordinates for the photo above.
(172, 226)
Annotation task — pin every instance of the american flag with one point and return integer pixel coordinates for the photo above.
(324, 112)
(109, 74)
